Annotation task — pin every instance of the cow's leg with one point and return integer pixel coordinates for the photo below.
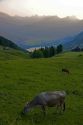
(64, 106)
(57, 106)
(60, 106)
(44, 110)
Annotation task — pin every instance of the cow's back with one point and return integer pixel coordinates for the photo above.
(51, 98)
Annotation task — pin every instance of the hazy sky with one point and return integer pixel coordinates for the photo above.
(60, 8)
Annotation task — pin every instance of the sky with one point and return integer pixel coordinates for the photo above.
(60, 8)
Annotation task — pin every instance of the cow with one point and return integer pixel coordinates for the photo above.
(49, 99)
(66, 71)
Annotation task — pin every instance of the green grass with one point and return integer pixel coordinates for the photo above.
(21, 79)
(12, 54)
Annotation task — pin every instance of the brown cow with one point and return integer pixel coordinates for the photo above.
(66, 71)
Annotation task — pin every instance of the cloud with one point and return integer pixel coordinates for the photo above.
(2, 0)
(61, 8)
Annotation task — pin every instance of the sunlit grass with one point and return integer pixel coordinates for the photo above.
(22, 79)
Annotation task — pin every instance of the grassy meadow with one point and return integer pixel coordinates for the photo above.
(22, 78)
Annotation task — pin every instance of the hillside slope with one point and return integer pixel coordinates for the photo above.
(77, 41)
(9, 50)
(7, 43)
(21, 80)
(13, 54)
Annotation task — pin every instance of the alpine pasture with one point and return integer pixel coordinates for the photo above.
(22, 78)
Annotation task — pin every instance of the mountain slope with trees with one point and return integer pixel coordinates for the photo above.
(7, 43)
(9, 50)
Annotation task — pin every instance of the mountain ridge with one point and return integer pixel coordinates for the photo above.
(76, 42)
(37, 28)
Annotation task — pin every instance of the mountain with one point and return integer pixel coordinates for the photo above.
(68, 43)
(25, 30)
(76, 42)
(43, 43)
(7, 43)
(9, 50)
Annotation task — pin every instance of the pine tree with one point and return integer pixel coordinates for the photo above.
(37, 54)
(52, 51)
(59, 48)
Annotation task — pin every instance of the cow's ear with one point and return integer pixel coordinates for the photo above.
(26, 104)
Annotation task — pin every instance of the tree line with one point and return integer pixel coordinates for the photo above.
(77, 49)
(47, 52)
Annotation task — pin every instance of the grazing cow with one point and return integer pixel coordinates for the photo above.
(50, 99)
(80, 55)
(65, 70)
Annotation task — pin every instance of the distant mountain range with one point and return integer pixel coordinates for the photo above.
(68, 42)
(76, 42)
(38, 31)
(37, 28)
